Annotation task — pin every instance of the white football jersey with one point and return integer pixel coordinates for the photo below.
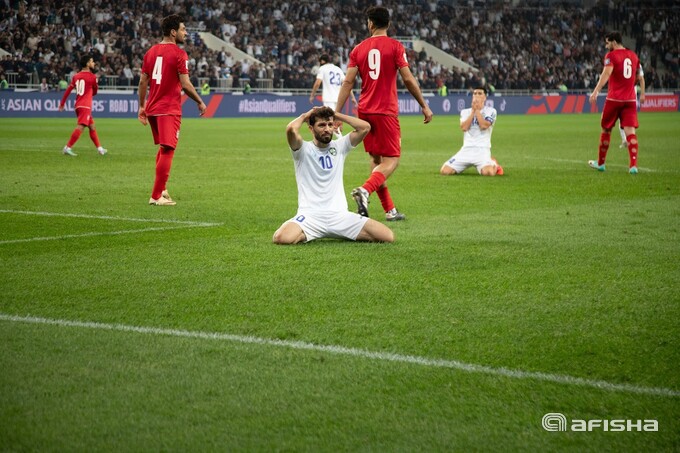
(331, 79)
(319, 175)
(476, 136)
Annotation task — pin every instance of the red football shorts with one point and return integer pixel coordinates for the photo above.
(625, 111)
(385, 136)
(165, 129)
(85, 116)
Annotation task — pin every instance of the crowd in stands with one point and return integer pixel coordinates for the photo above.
(525, 48)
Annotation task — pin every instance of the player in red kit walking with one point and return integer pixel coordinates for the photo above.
(165, 73)
(85, 84)
(378, 59)
(621, 69)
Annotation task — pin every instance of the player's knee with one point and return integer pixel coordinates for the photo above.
(279, 238)
(284, 236)
(447, 171)
(489, 170)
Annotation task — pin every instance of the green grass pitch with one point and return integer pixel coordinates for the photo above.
(554, 288)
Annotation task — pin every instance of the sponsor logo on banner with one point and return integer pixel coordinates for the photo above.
(660, 103)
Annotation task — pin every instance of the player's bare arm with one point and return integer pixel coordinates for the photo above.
(190, 91)
(141, 91)
(412, 86)
(346, 87)
(604, 78)
(361, 127)
(293, 130)
(317, 84)
(467, 122)
(641, 80)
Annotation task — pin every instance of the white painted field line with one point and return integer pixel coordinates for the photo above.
(99, 233)
(179, 225)
(104, 217)
(354, 352)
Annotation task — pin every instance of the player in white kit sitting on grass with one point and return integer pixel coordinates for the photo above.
(477, 124)
(319, 165)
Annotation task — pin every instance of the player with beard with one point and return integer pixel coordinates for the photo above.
(377, 60)
(165, 73)
(319, 164)
(621, 70)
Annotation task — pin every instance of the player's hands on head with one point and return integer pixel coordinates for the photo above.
(308, 113)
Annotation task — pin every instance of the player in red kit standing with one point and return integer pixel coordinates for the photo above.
(165, 73)
(621, 69)
(378, 59)
(85, 84)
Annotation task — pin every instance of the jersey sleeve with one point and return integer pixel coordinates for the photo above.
(145, 65)
(490, 116)
(182, 63)
(345, 144)
(95, 85)
(352, 59)
(400, 55)
(608, 60)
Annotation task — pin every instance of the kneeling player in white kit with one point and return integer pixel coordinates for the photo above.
(477, 124)
(319, 165)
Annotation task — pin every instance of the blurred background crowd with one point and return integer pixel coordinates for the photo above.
(536, 46)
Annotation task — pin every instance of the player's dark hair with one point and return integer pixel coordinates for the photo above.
(324, 58)
(170, 23)
(321, 113)
(379, 15)
(84, 59)
(480, 88)
(613, 36)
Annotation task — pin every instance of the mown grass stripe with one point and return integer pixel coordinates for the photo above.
(354, 352)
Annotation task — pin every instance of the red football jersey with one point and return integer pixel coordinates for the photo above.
(163, 64)
(85, 84)
(378, 60)
(624, 76)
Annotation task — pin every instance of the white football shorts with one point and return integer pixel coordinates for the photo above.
(330, 104)
(341, 225)
(471, 156)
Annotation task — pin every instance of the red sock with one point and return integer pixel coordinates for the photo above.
(74, 137)
(95, 138)
(604, 146)
(376, 180)
(632, 149)
(163, 165)
(385, 198)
